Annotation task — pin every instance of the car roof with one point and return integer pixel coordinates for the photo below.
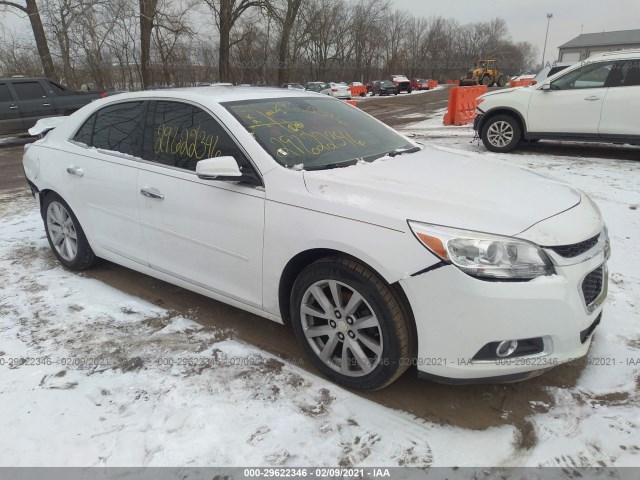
(216, 94)
(616, 55)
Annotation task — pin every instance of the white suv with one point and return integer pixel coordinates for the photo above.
(595, 100)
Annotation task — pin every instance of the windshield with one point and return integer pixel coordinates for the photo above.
(314, 132)
(387, 83)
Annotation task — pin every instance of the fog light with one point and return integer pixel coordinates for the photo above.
(506, 348)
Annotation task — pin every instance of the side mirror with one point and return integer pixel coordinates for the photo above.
(546, 86)
(218, 168)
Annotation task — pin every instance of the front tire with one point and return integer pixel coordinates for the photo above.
(65, 235)
(501, 133)
(351, 324)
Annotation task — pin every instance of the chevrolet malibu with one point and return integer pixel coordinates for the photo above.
(382, 254)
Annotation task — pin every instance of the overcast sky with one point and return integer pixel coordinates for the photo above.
(527, 20)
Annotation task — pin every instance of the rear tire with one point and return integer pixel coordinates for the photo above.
(501, 133)
(65, 235)
(351, 324)
(486, 80)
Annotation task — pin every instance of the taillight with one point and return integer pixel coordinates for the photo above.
(102, 94)
(334, 89)
(534, 82)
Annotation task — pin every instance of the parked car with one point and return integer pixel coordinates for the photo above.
(23, 101)
(384, 87)
(337, 90)
(402, 82)
(596, 100)
(469, 271)
(315, 86)
(419, 84)
(550, 71)
(292, 86)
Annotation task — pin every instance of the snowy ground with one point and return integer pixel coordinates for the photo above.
(91, 376)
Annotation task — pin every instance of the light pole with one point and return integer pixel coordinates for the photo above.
(544, 50)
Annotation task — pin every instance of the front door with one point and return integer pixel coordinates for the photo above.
(206, 232)
(573, 104)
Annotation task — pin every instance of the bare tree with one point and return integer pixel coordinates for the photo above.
(285, 13)
(148, 9)
(227, 13)
(30, 8)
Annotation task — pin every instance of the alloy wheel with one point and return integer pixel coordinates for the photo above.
(341, 328)
(500, 133)
(62, 231)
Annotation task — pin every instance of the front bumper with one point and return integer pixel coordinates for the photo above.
(476, 121)
(457, 315)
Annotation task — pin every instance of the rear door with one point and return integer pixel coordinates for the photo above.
(10, 119)
(33, 101)
(101, 169)
(621, 109)
(573, 104)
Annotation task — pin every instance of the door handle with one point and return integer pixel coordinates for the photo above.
(592, 98)
(13, 107)
(75, 171)
(46, 104)
(152, 193)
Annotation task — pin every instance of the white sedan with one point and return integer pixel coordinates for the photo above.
(337, 90)
(381, 253)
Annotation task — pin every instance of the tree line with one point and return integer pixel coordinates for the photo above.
(134, 44)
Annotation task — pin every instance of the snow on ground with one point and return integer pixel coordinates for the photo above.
(598, 421)
(8, 140)
(413, 92)
(111, 380)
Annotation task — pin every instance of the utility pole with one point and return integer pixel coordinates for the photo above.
(544, 50)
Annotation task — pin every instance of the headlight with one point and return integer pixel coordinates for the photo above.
(484, 255)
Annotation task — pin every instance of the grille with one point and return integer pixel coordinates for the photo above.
(570, 251)
(592, 285)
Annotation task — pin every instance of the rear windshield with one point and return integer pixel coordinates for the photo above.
(314, 132)
(387, 83)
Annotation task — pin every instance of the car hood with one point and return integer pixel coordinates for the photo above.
(442, 188)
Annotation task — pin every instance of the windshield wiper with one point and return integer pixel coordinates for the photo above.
(400, 151)
(329, 166)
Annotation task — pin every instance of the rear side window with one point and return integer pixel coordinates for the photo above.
(29, 90)
(85, 134)
(119, 128)
(5, 94)
(629, 74)
(181, 135)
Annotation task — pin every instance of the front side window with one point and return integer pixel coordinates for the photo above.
(57, 88)
(29, 90)
(119, 128)
(590, 76)
(182, 134)
(315, 132)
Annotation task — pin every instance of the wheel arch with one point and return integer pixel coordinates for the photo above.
(305, 258)
(504, 111)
